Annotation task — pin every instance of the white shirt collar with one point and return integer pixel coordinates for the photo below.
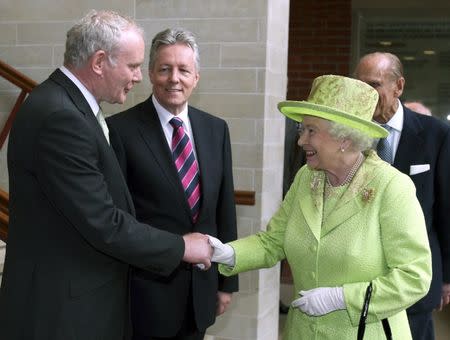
(88, 95)
(165, 116)
(396, 121)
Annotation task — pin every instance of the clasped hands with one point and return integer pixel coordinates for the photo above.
(201, 250)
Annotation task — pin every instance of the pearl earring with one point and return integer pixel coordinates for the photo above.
(342, 149)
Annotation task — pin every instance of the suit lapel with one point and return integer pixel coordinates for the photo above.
(312, 209)
(79, 101)
(83, 106)
(153, 136)
(410, 142)
(73, 91)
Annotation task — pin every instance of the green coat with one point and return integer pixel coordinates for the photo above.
(375, 233)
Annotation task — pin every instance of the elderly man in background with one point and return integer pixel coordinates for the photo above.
(419, 146)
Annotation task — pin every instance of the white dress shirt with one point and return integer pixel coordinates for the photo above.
(396, 125)
(165, 117)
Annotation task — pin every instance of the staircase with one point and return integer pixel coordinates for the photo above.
(4, 220)
(2, 258)
(25, 86)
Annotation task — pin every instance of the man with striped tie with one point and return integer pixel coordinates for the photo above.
(177, 163)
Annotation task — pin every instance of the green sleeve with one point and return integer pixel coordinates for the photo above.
(406, 250)
(266, 248)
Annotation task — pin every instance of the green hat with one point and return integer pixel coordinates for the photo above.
(340, 99)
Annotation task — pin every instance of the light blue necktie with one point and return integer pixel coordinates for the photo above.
(384, 147)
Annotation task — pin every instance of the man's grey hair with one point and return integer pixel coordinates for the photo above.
(360, 141)
(394, 67)
(97, 30)
(172, 36)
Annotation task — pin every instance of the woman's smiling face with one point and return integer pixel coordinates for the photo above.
(322, 150)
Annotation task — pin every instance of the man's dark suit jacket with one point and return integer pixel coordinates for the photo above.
(71, 231)
(426, 140)
(158, 304)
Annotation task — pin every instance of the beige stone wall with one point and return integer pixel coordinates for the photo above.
(243, 47)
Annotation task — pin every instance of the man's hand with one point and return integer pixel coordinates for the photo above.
(445, 298)
(223, 301)
(197, 249)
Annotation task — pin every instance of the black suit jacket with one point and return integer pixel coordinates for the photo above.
(426, 140)
(71, 231)
(158, 303)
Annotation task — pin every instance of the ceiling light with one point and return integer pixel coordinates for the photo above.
(386, 43)
(409, 57)
(429, 52)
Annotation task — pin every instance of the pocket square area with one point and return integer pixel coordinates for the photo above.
(418, 168)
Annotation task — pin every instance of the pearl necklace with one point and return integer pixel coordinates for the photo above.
(351, 173)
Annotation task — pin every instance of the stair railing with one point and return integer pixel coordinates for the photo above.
(21, 81)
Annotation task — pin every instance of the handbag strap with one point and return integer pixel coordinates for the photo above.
(363, 317)
(387, 329)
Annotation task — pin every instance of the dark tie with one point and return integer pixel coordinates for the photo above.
(384, 147)
(187, 166)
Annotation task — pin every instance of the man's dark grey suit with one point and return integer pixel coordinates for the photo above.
(72, 232)
(426, 140)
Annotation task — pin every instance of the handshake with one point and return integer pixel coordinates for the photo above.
(201, 250)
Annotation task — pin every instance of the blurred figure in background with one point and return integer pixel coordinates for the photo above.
(418, 107)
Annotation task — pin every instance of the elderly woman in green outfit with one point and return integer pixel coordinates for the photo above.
(349, 220)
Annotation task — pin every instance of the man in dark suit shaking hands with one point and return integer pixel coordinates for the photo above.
(72, 232)
(177, 162)
(419, 146)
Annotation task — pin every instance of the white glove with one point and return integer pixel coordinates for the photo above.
(223, 253)
(320, 301)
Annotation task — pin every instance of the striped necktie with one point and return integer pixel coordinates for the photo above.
(187, 166)
(384, 147)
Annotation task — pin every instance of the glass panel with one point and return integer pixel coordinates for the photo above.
(421, 41)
